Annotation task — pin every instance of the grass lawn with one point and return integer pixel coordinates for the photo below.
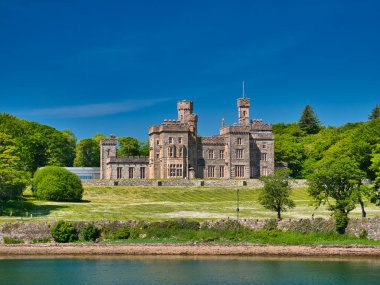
(162, 203)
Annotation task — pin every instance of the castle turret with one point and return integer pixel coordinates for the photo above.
(107, 150)
(185, 109)
(243, 110)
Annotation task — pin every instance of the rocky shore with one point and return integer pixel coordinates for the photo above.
(189, 250)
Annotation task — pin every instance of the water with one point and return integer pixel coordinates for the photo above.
(210, 271)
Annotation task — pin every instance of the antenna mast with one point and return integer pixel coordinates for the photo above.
(243, 90)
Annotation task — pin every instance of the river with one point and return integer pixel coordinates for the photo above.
(180, 270)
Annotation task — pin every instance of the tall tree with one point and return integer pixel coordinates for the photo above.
(128, 146)
(13, 178)
(309, 121)
(336, 182)
(87, 153)
(375, 113)
(275, 195)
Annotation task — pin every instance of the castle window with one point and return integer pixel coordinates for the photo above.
(158, 142)
(175, 170)
(179, 170)
(264, 145)
(119, 173)
(171, 152)
(158, 155)
(239, 141)
(239, 170)
(211, 171)
(239, 153)
(142, 172)
(221, 171)
(108, 152)
(265, 171)
(211, 154)
(179, 140)
(171, 140)
(221, 154)
(180, 152)
(252, 172)
(264, 157)
(130, 172)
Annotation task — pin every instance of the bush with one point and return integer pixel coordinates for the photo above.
(57, 184)
(9, 240)
(64, 232)
(90, 233)
(122, 233)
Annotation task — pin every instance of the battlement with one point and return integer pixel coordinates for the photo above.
(214, 140)
(258, 125)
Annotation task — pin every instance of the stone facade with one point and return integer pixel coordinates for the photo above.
(243, 150)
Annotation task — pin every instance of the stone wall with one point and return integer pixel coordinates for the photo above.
(185, 182)
(32, 231)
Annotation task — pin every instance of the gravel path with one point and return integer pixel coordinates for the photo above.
(188, 249)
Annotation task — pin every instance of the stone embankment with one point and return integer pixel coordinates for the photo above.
(188, 250)
(36, 231)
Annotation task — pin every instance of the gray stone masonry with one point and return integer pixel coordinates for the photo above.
(244, 150)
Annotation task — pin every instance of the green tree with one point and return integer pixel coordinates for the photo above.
(336, 182)
(39, 145)
(375, 167)
(128, 147)
(144, 148)
(87, 153)
(275, 195)
(375, 113)
(309, 122)
(13, 178)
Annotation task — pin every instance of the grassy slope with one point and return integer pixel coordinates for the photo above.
(161, 203)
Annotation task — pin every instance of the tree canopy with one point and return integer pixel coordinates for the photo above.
(13, 177)
(275, 194)
(336, 182)
(38, 145)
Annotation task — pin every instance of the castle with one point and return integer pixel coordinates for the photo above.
(243, 150)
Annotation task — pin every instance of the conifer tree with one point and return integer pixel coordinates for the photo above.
(375, 113)
(309, 121)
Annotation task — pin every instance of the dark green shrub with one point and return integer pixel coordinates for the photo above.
(122, 233)
(137, 233)
(41, 240)
(90, 233)
(179, 224)
(57, 184)
(64, 232)
(9, 240)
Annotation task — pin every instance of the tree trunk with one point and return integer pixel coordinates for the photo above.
(279, 215)
(364, 214)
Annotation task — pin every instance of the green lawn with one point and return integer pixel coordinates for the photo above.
(162, 203)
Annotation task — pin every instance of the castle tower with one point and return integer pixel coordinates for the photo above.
(185, 109)
(243, 105)
(107, 150)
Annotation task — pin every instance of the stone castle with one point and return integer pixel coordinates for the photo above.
(243, 150)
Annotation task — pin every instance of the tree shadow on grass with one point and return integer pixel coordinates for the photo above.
(25, 208)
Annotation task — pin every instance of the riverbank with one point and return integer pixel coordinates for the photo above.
(243, 249)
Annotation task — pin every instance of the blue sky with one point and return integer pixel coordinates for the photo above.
(120, 66)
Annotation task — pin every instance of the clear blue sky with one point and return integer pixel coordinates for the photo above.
(120, 66)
